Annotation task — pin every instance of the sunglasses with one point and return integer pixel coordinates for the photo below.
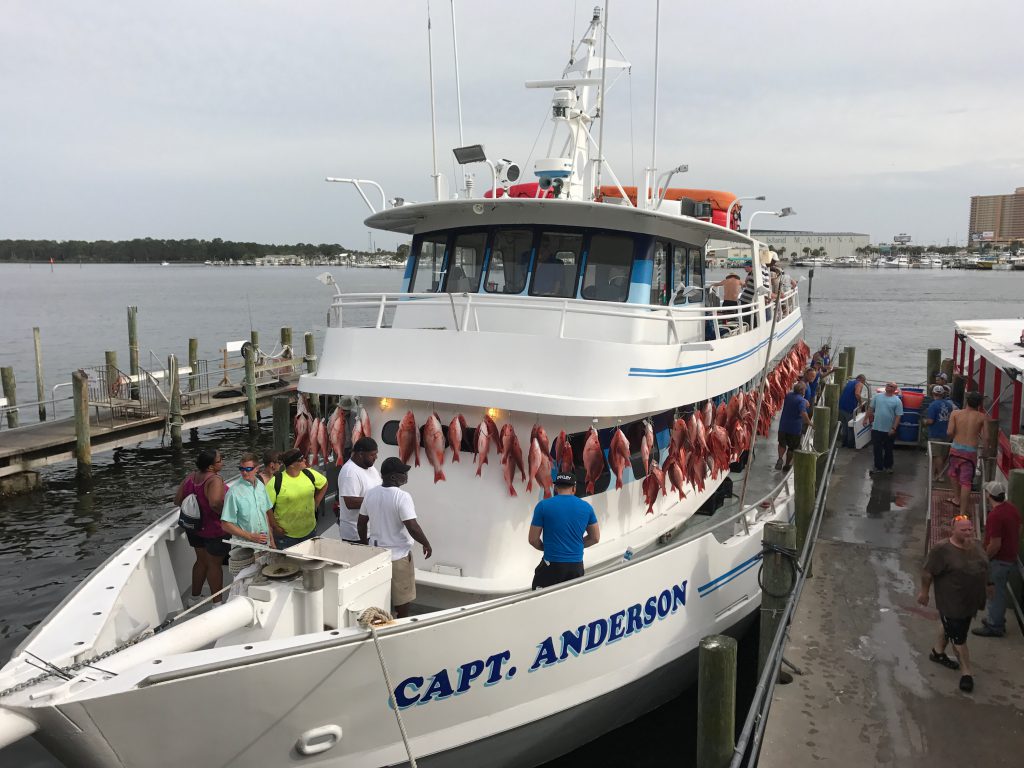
(246, 469)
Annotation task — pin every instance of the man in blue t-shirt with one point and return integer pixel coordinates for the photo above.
(791, 424)
(558, 528)
(884, 417)
(936, 418)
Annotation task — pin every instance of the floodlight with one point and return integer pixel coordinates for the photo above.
(474, 153)
(786, 212)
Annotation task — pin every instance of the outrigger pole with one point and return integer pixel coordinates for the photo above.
(433, 117)
(651, 182)
(600, 100)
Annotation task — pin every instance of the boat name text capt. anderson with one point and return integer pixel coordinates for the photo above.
(550, 651)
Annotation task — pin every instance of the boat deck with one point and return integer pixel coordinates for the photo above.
(868, 694)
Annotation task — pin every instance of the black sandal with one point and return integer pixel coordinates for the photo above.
(943, 659)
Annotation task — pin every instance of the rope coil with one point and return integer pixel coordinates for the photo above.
(791, 558)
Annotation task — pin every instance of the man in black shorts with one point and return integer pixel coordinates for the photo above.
(959, 569)
(791, 424)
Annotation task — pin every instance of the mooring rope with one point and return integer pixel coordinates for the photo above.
(370, 619)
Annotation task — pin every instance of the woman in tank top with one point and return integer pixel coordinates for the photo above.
(209, 541)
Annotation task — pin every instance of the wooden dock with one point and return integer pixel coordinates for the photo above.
(51, 442)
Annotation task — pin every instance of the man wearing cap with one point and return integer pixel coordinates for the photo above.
(936, 418)
(387, 518)
(562, 527)
(1002, 545)
(884, 415)
(357, 476)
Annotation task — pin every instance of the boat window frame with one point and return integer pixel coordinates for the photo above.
(635, 240)
(453, 237)
(539, 232)
(417, 250)
(492, 236)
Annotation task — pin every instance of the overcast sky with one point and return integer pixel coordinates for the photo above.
(221, 119)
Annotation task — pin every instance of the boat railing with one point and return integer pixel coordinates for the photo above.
(462, 312)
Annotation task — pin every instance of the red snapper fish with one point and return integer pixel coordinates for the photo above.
(542, 438)
(563, 453)
(618, 456)
(533, 461)
(362, 428)
(492, 430)
(336, 433)
(708, 412)
(433, 444)
(647, 445)
(540, 468)
(301, 426)
(455, 431)
(513, 451)
(593, 459)
(408, 439)
(483, 445)
(721, 449)
(674, 475)
(654, 482)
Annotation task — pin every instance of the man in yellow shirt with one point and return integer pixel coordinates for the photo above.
(296, 493)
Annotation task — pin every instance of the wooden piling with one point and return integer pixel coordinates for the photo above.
(40, 379)
(110, 357)
(286, 337)
(934, 367)
(250, 388)
(946, 366)
(254, 337)
(778, 578)
(842, 369)
(832, 400)
(10, 392)
(83, 442)
(282, 422)
(193, 364)
(174, 414)
(810, 284)
(311, 360)
(716, 701)
(805, 483)
(822, 422)
(133, 348)
(851, 358)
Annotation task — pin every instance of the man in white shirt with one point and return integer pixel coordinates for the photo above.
(388, 519)
(356, 477)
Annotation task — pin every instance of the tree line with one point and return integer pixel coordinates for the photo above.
(151, 250)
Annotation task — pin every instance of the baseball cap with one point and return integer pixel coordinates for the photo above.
(938, 389)
(995, 488)
(393, 466)
(942, 376)
(565, 479)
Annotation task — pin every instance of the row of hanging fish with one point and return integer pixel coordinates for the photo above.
(324, 440)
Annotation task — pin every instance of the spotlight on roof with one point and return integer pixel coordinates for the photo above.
(474, 153)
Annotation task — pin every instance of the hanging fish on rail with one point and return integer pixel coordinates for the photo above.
(362, 427)
(513, 450)
(674, 474)
(483, 445)
(542, 438)
(336, 428)
(647, 445)
(593, 459)
(563, 453)
(433, 445)
(618, 456)
(721, 450)
(492, 430)
(508, 471)
(653, 482)
(539, 467)
(708, 414)
(456, 429)
(408, 439)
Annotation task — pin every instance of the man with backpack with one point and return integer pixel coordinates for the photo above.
(296, 493)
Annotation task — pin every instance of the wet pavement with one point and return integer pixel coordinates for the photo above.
(869, 694)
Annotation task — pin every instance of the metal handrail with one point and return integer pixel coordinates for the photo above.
(748, 745)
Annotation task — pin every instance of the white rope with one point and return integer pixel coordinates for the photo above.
(370, 619)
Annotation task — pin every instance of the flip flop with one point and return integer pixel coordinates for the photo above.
(943, 659)
(966, 683)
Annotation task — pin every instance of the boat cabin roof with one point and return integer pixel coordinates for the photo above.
(998, 340)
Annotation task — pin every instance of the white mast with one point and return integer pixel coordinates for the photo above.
(433, 117)
(467, 180)
(650, 200)
(600, 102)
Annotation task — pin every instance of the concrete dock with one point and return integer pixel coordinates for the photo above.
(869, 695)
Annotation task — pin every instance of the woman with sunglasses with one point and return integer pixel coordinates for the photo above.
(296, 493)
(246, 505)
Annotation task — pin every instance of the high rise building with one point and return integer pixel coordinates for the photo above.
(997, 218)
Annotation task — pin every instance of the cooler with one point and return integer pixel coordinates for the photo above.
(906, 432)
(861, 431)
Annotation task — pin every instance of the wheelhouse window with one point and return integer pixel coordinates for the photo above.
(678, 274)
(660, 275)
(609, 263)
(557, 265)
(510, 261)
(426, 276)
(466, 263)
(696, 267)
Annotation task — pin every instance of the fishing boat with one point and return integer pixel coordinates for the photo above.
(569, 314)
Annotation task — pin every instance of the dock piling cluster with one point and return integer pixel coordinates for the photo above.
(10, 393)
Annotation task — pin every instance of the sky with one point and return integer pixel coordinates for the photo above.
(216, 118)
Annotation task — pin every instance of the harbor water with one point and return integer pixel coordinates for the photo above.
(52, 538)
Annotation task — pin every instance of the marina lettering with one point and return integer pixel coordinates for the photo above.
(437, 687)
(602, 631)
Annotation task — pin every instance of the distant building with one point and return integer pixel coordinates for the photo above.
(789, 244)
(997, 218)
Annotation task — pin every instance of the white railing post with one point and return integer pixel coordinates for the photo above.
(455, 315)
(465, 313)
(561, 325)
(380, 312)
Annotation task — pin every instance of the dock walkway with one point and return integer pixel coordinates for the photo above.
(49, 442)
(869, 694)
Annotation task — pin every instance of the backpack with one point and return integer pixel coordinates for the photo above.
(190, 515)
(277, 483)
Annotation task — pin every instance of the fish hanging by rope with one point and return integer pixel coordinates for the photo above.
(593, 459)
(456, 429)
(408, 439)
(433, 446)
(618, 456)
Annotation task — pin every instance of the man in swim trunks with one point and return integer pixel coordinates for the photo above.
(964, 430)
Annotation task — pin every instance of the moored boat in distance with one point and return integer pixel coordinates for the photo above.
(575, 325)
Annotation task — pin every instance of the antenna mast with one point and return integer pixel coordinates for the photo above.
(653, 170)
(433, 117)
(466, 179)
(600, 100)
